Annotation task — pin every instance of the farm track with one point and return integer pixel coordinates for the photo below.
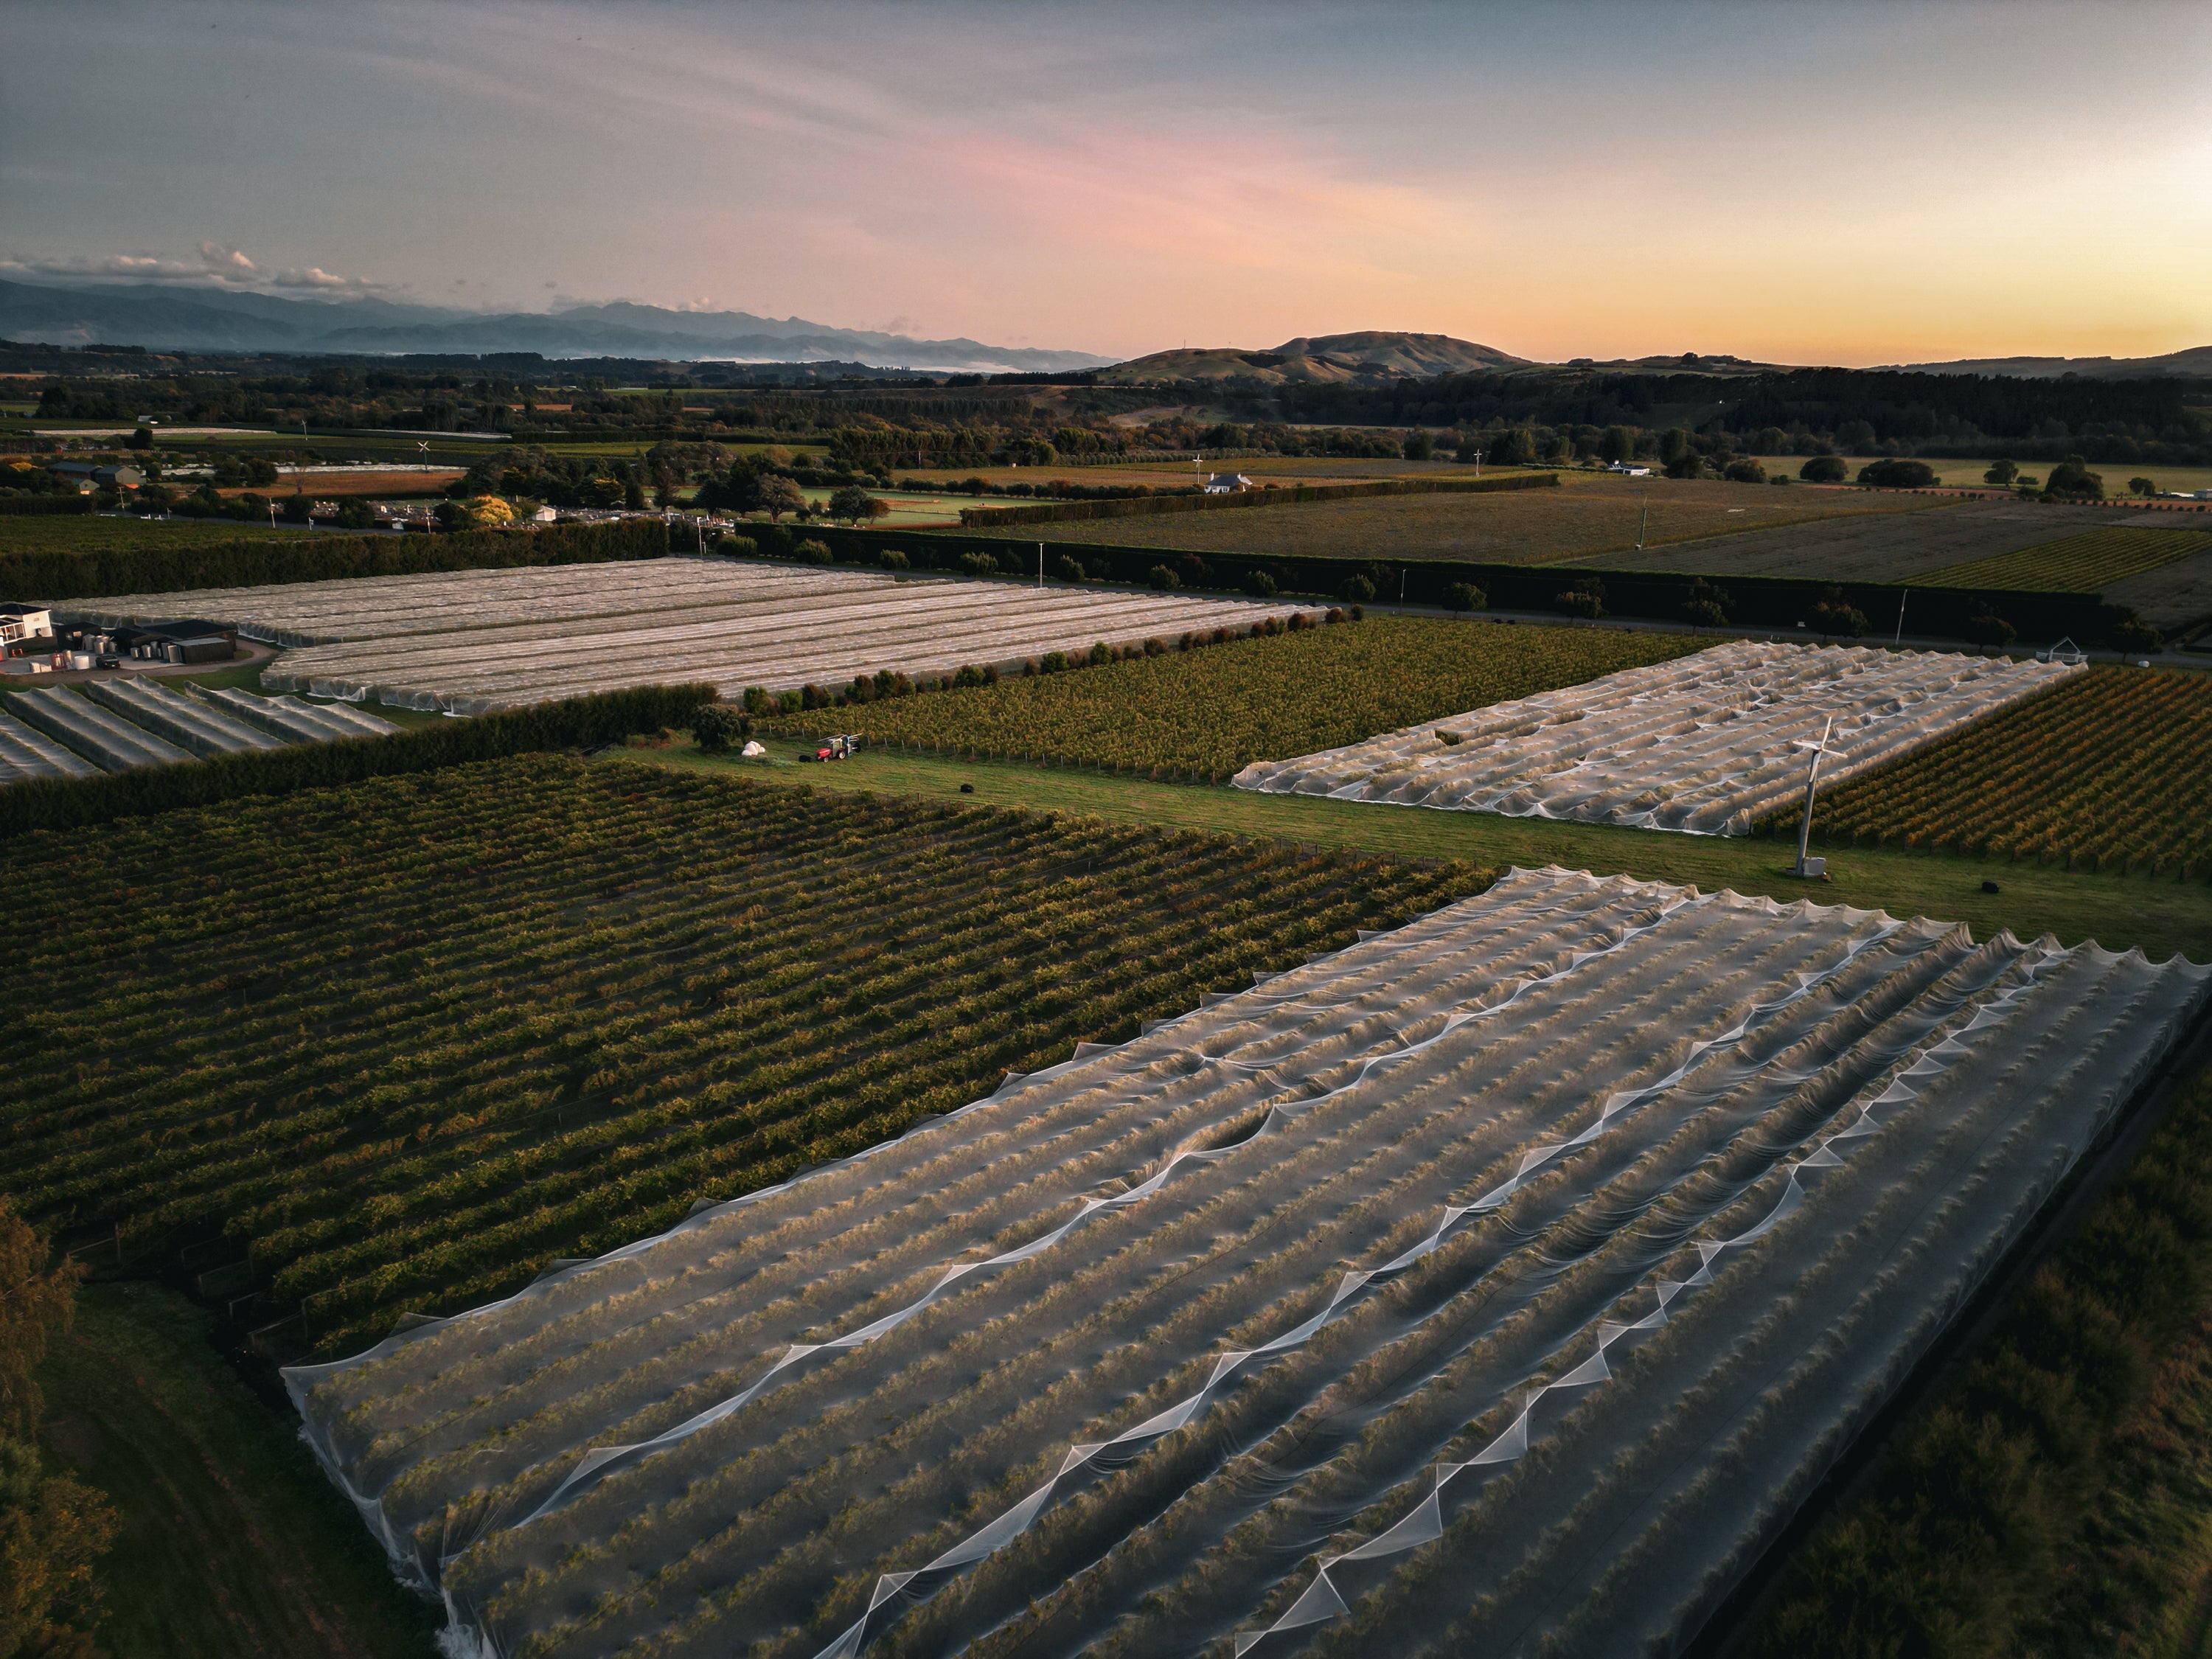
(540, 1002)
(1587, 1080)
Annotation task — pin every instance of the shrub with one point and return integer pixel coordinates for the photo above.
(1069, 569)
(1985, 627)
(969, 676)
(1578, 602)
(2000, 473)
(1898, 474)
(737, 547)
(979, 564)
(1159, 576)
(1834, 614)
(1101, 654)
(1745, 470)
(1054, 662)
(715, 726)
(2072, 480)
(1465, 596)
(2132, 634)
(814, 552)
(2142, 486)
(1358, 589)
(891, 558)
(1258, 584)
(1824, 469)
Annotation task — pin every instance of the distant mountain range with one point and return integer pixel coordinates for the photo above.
(204, 320)
(2195, 363)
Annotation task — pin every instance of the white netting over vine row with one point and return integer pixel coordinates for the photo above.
(473, 640)
(1675, 1185)
(1705, 744)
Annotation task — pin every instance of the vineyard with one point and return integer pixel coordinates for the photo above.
(477, 640)
(1205, 713)
(2087, 563)
(2107, 771)
(1498, 1283)
(1706, 744)
(353, 1052)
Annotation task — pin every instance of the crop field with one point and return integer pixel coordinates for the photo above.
(552, 1003)
(2086, 564)
(1871, 547)
(1209, 713)
(1587, 515)
(2108, 770)
(1500, 1282)
(471, 641)
(1706, 744)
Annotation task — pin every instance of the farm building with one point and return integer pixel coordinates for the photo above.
(19, 622)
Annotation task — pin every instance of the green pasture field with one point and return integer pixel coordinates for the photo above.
(1589, 516)
(1214, 710)
(1967, 474)
(2162, 915)
(234, 1544)
(2087, 563)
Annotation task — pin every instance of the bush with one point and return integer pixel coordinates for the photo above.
(1835, 615)
(2142, 486)
(1260, 585)
(1898, 474)
(1745, 470)
(1101, 654)
(1159, 576)
(1358, 589)
(891, 558)
(1824, 469)
(1465, 596)
(2133, 635)
(815, 552)
(2000, 473)
(1068, 569)
(1984, 627)
(715, 726)
(1582, 601)
(979, 564)
(2072, 480)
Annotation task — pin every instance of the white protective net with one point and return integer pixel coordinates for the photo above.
(1676, 1185)
(471, 641)
(1706, 743)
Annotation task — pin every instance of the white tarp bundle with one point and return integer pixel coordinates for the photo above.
(1706, 743)
(1674, 1184)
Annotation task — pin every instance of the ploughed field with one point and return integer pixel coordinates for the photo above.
(1207, 712)
(471, 641)
(118, 725)
(1589, 515)
(1705, 744)
(2111, 769)
(1502, 1282)
(393, 1047)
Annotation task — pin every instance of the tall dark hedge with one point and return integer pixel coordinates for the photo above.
(54, 506)
(316, 557)
(576, 723)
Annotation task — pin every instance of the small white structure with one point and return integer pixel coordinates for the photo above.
(1629, 468)
(19, 622)
(1216, 485)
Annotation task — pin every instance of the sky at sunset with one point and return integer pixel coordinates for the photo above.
(1796, 182)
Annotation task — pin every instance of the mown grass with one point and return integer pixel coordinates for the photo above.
(233, 1542)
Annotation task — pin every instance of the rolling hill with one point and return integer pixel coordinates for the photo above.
(1366, 357)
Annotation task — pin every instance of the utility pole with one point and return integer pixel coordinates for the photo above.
(1811, 868)
(1040, 566)
(1901, 599)
(1643, 519)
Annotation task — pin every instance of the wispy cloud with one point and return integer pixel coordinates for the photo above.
(218, 265)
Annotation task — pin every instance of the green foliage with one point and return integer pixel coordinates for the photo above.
(1833, 615)
(2142, 486)
(2106, 770)
(1213, 711)
(2000, 473)
(2071, 480)
(55, 803)
(1744, 469)
(1986, 628)
(554, 1002)
(2132, 634)
(1824, 469)
(159, 565)
(1162, 579)
(1465, 596)
(737, 547)
(892, 558)
(979, 564)
(1586, 599)
(1896, 474)
(2008, 1516)
(716, 726)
